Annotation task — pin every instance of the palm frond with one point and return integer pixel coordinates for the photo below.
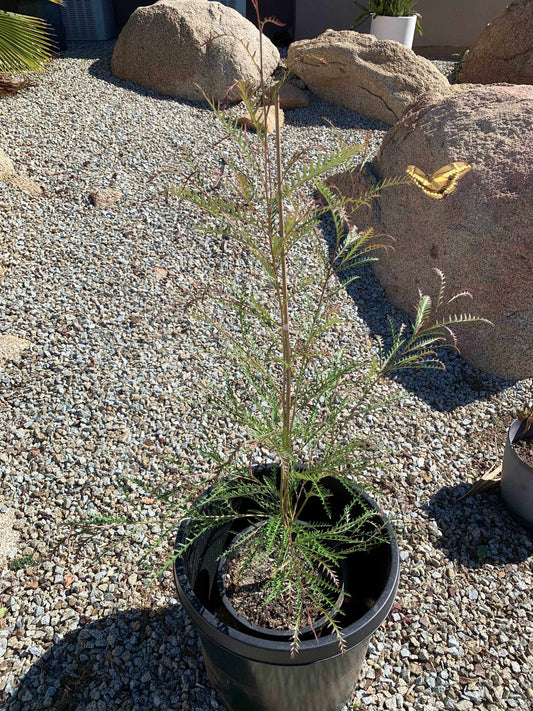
(25, 43)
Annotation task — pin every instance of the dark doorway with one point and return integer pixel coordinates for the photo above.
(282, 10)
(124, 8)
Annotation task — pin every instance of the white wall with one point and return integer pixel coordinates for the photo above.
(452, 24)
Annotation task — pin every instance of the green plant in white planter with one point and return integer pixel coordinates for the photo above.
(391, 20)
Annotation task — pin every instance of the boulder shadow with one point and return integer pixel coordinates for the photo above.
(101, 69)
(332, 116)
(478, 530)
(127, 661)
(319, 112)
(444, 390)
(89, 49)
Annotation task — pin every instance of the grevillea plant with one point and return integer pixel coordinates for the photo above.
(292, 391)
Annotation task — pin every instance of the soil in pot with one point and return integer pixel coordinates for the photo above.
(247, 591)
(524, 449)
(361, 590)
(246, 574)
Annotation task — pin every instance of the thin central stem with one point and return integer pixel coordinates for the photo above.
(285, 332)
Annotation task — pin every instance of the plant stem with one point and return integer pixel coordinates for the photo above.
(281, 288)
(285, 332)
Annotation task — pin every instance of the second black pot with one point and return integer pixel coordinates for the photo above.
(255, 673)
(517, 476)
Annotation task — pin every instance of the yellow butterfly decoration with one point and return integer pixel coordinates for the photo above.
(443, 181)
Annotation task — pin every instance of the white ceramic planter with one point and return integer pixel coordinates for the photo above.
(398, 29)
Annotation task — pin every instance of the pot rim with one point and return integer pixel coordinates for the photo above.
(310, 651)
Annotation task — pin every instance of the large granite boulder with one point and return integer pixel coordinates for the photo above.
(186, 48)
(377, 78)
(480, 235)
(504, 51)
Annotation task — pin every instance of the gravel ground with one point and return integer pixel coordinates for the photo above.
(109, 387)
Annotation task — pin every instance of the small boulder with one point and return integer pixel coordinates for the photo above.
(9, 538)
(188, 48)
(290, 97)
(27, 185)
(11, 347)
(7, 167)
(105, 197)
(376, 78)
(481, 234)
(246, 120)
(504, 51)
(9, 176)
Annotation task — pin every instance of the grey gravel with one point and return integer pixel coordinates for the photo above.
(109, 387)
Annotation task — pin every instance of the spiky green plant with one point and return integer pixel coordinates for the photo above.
(25, 43)
(20, 563)
(299, 393)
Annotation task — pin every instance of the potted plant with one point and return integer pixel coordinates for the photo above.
(391, 20)
(516, 485)
(284, 562)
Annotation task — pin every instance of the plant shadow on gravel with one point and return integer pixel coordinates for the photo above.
(478, 530)
(101, 69)
(131, 660)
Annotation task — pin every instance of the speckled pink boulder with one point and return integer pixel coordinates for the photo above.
(504, 51)
(188, 48)
(481, 236)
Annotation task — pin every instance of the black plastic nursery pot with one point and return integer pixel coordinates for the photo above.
(255, 671)
(517, 477)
